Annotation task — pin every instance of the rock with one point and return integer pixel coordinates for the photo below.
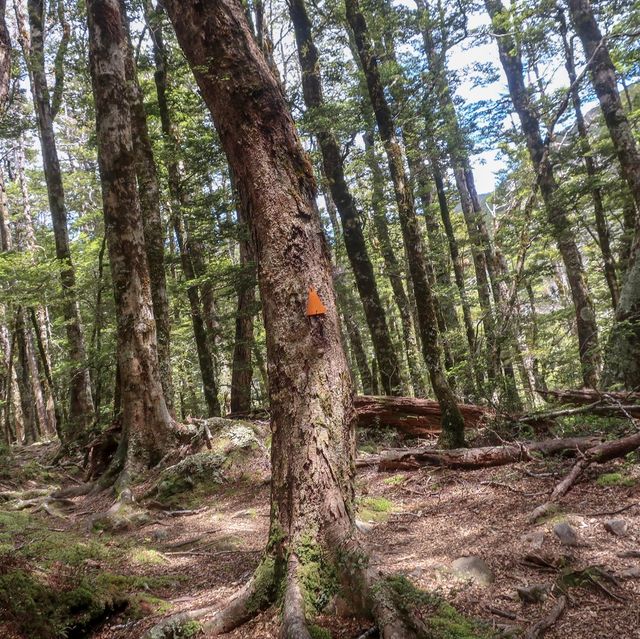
(616, 527)
(162, 534)
(363, 526)
(630, 573)
(534, 540)
(566, 534)
(474, 568)
(533, 594)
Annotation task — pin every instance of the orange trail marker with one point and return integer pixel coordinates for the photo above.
(314, 304)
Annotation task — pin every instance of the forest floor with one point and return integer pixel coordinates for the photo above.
(59, 562)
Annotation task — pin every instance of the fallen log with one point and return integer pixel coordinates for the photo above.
(598, 454)
(474, 458)
(413, 416)
(582, 396)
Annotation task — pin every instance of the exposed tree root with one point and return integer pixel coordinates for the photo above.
(294, 625)
(473, 458)
(597, 454)
(539, 628)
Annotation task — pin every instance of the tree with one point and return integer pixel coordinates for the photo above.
(452, 421)
(149, 196)
(352, 234)
(5, 56)
(32, 42)
(311, 398)
(147, 426)
(623, 356)
(511, 61)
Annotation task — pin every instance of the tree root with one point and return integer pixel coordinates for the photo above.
(293, 618)
(539, 628)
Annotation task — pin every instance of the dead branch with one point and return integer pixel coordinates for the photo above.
(597, 454)
(484, 457)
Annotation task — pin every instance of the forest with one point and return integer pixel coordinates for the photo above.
(319, 319)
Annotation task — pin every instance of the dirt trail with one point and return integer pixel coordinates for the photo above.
(419, 524)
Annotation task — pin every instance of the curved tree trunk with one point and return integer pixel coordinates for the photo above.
(80, 400)
(146, 423)
(312, 492)
(623, 350)
(556, 214)
(452, 421)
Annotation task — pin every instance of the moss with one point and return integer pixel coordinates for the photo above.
(263, 585)
(318, 632)
(374, 508)
(146, 556)
(317, 572)
(190, 629)
(394, 480)
(430, 616)
(615, 479)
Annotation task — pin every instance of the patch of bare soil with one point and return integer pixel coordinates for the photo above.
(419, 524)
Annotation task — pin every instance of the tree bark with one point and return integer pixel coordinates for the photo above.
(558, 219)
(623, 349)
(352, 233)
(146, 423)
(27, 400)
(452, 421)
(312, 419)
(80, 400)
(149, 196)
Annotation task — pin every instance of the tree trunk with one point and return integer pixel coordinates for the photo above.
(27, 400)
(312, 417)
(558, 219)
(146, 423)
(149, 195)
(623, 349)
(458, 272)
(354, 241)
(392, 266)
(452, 421)
(203, 344)
(242, 369)
(5, 57)
(602, 228)
(80, 401)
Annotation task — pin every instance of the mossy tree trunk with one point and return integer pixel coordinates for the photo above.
(452, 421)
(147, 427)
